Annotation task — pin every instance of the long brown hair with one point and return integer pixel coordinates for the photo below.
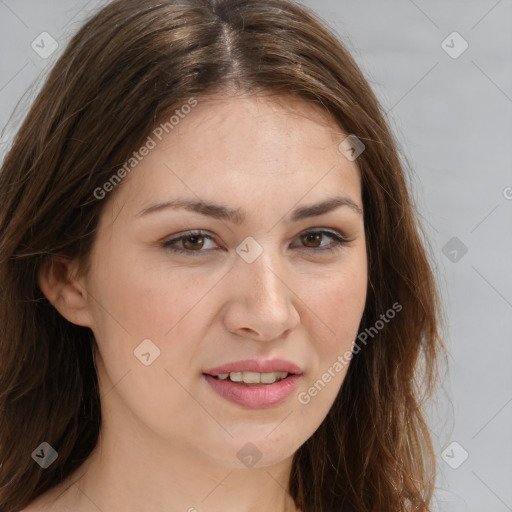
(129, 67)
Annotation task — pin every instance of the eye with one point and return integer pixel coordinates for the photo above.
(193, 241)
(314, 237)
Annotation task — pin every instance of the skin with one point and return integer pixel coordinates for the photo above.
(163, 422)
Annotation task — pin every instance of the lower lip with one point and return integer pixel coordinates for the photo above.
(254, 397)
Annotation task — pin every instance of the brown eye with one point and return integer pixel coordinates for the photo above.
(312, 240)
(191, 243)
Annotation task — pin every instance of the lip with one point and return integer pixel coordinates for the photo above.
(254, 397)
(256, 365)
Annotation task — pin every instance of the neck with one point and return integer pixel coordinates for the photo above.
(131, 470)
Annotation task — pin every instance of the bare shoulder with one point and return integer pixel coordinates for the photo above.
(41, 504)
(57, 499)
(38, 505)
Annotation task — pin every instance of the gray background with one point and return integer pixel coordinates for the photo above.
(452, 117)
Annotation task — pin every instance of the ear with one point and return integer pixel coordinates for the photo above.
(67, 293)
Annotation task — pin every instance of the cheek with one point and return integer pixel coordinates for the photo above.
(171, 305)
(147, 301)
(336, 303)
(335, 309)
(138, 304)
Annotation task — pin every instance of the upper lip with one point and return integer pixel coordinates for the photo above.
(256, 365)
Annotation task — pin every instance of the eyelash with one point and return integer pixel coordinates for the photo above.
(339, 242)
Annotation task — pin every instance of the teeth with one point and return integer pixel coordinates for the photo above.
(253, 377)
(269, 378)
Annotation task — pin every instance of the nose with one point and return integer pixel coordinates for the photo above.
(262, 304)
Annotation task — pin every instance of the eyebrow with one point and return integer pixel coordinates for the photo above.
(237, 216)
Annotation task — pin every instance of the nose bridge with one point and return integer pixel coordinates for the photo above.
(260, 278)
(264, 302)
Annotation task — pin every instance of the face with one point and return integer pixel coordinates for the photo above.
(175, 293)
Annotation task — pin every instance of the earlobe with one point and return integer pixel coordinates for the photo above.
(57, 281)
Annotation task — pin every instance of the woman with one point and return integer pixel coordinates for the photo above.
(215, 294)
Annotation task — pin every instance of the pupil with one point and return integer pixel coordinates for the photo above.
(312, 237)
(194, 239)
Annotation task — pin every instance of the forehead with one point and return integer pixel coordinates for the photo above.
(248, 128)
(251, 149)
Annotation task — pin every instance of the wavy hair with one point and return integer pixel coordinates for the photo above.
(130, 66)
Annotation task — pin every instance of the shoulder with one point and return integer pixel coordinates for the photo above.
(53, 500)
(40, 505)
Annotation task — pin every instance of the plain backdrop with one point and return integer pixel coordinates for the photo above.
(442, 71)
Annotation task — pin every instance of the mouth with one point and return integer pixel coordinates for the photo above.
(255, 383)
